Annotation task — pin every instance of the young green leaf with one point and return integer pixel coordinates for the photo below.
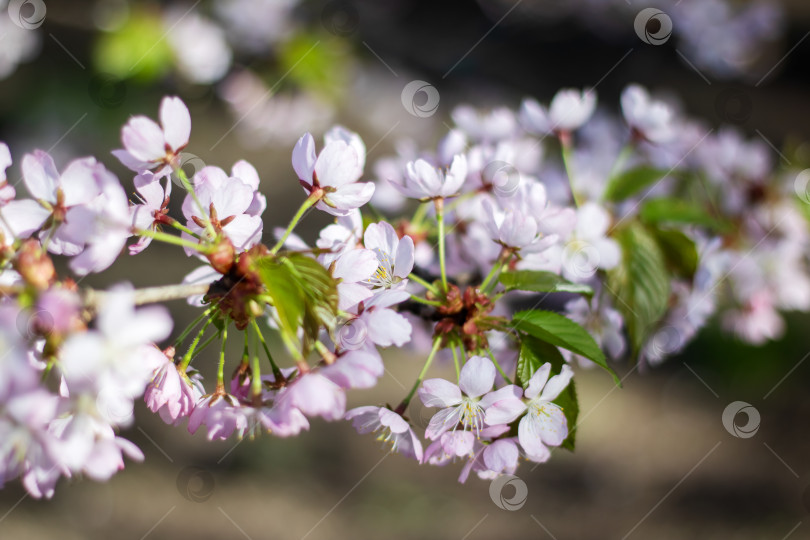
(640, 282)
(667, 210)
(680, 251)
(541, 281)
(630, 182)
(533, 354)
(303, 293)
(279, 281)
(561, 331)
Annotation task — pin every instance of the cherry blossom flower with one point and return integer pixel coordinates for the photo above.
(499, 123)
(468, 409)
(334, 174)
(424, 181)
(315, 395)
(603, 323)
(569, 109)
(343, 235)
(380, 324)
(59, 198)
(220, 413)
(225, 203)
(515, 229)
(650, 120)
(394, 430)
(172, 394)
(148, 145)
(353, 269)
(394, 255)
(153, 209)
(116, 360)
(544, 423)
(355, 368)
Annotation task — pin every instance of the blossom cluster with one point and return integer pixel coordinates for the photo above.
(620, 254)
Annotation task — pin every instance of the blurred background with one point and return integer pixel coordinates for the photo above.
(653, 459)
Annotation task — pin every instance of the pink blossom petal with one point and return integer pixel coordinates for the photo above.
(477, 376)
(78, 181)
(439, 393)
(355, 265)
(24, 217)
(303, 158)
(553, 427)
(337, 165)
(538, 381)
(176, 122)
(557, 384)
(531, 441)
(442, 421)
(403, 264)
(501, 456)
(381, 236)
(350, 196)
(143, 139)
(387, 327)
(41, 176)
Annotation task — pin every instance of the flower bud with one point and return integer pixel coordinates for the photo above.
(222, 257)
(34, 265)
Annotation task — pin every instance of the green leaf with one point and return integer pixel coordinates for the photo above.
(666, 210)
(631, 182)
(533, 354)
(279, 281)
(680, 252)
(304, 294)
(137, 49)
(315, 63)
(541, 281)
(640, 282)
(561, 331)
